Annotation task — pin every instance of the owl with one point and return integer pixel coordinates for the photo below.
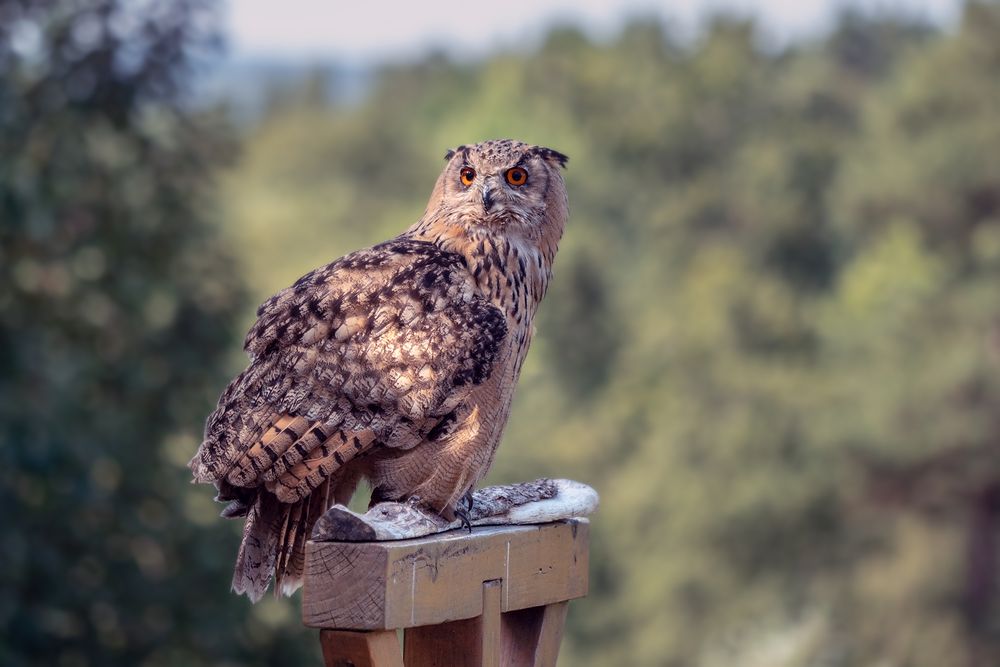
(395, 364)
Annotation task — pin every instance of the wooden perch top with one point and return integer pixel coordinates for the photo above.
(439, 578)
(541, 501)
(496, 595)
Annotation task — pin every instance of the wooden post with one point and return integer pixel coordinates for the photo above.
(494, 597)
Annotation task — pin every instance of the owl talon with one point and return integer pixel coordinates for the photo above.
(463, 516)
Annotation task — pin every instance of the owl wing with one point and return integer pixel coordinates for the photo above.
(376, 347)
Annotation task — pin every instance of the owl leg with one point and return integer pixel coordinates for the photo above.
(381, 495)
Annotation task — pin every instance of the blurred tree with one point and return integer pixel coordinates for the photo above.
(869, 48)
(117, 297)
(920, 209)
(773, 340)
(772, 337)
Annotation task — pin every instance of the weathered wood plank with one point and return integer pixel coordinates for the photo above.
(438, 579)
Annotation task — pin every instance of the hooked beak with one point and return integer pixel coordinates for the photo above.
(488, 200)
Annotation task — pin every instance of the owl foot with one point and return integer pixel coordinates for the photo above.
(463, 516)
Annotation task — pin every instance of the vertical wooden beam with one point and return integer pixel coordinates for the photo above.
(471, 642)
(550, 634)
(520, 636)
(353, 648)
(457, 643)
(531, 637)
(490, 620)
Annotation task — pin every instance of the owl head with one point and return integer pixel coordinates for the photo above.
(502, 185)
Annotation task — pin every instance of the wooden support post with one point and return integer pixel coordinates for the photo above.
(532, 636)
(473, 641)
(352, 648)
(496, 597)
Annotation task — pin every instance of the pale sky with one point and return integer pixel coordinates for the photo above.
(363, 30)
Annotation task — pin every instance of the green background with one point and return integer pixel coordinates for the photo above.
(772, 343)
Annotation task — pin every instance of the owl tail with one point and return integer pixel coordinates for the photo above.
(274, 541)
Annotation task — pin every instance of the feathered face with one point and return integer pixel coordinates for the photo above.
(504, 185)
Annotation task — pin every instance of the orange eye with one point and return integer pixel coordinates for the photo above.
(517, 176)
(468, 174)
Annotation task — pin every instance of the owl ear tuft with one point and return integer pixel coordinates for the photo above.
(555, 157)
(450, 153)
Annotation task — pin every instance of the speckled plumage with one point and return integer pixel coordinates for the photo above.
(396, 363)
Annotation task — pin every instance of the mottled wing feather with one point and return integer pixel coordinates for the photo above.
(261, 455)
(363, 348)
(299, 481)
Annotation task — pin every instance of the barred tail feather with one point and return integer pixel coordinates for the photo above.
(274, 539)
(292, 546)
(258, 550)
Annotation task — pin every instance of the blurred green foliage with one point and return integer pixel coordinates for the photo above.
(772, 344)
(118, 296)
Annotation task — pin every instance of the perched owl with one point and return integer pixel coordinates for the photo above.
(396, 363)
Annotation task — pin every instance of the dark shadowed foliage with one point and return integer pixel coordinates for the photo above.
(118, 298)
